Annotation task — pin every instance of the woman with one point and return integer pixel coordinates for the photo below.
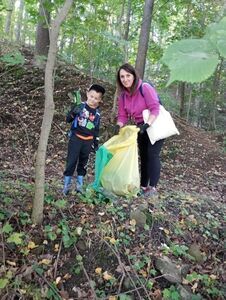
(131, 104)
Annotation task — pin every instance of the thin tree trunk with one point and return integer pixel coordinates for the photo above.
(10, 9)
(182, 98)
(19, 21)
(189, 103)
(144, 37)
(127, 27)
(42, 32)
(38, 202)
(120, 19)
(24, 29)
(216, 83)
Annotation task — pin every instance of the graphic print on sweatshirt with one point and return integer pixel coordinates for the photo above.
(86, 119)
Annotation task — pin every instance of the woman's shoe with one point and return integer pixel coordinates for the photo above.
(148, 191)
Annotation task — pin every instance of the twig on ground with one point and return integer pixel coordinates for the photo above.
(63, 133)
(8, 71)
(137, 276)
(86, 274)
(29, 155)
(57, 259)
(3, 245)
(52, 287)
(115, 251)
(35, 90)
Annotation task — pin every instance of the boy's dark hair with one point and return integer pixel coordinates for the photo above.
(97, 88)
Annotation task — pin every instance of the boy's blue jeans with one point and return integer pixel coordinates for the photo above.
(78, 155)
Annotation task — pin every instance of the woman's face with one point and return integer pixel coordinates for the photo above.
(126, 78)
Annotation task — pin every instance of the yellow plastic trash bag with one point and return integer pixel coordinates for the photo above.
(121, 173)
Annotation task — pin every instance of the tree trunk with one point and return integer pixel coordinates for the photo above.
(182, 98)
(19, 21)
(38, 202)
(127, 27)
(144, 37)
(120, 19)
(42, 31)
(216, 83)
(189, 103)
(10, 8)
(24, 28)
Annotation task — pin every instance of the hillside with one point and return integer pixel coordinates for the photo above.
(113, 255)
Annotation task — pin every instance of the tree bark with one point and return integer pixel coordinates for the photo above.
(38, 201)
(182, 98)
(24, 29)
(127, 27)
(216, 84)
(144, 37)
(189, 103)
(10, 8)
(19, 21)
(42, 31)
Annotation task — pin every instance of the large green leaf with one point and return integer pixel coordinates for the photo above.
(216, 33)
(190, 60)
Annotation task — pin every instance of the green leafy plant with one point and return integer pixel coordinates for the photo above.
(50, 232)
(61, 203)
(171, 293)
(13, 59)
(5, 279)
(208, 281)
(68, 237)
(16, 238)
(7, 228)
(24, 218)
(177, 250)
(77, 267)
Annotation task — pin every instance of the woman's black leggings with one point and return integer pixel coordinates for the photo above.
(150, 165)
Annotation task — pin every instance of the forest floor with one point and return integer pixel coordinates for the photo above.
(96, 245)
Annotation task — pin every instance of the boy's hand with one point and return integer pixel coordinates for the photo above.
(76, 110)
(95, 145)
(143, 128)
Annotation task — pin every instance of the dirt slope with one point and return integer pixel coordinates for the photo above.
(113, 254)
(192, 160)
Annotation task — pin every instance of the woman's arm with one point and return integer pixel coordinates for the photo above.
(122, 114)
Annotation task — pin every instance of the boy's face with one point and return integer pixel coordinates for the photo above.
(93, 98)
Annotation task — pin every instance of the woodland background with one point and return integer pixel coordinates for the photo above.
(99, 246)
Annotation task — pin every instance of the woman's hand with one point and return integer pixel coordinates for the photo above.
(116, 129)
(143, 127)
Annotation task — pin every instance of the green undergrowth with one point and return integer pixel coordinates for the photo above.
(89, 246)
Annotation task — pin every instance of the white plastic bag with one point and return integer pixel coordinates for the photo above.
(162, 127)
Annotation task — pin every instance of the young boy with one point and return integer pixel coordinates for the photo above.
(84, 136)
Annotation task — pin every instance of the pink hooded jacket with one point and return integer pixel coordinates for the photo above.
(132, 106)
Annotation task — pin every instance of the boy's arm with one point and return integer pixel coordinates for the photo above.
(72, 113)
(96, 136)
